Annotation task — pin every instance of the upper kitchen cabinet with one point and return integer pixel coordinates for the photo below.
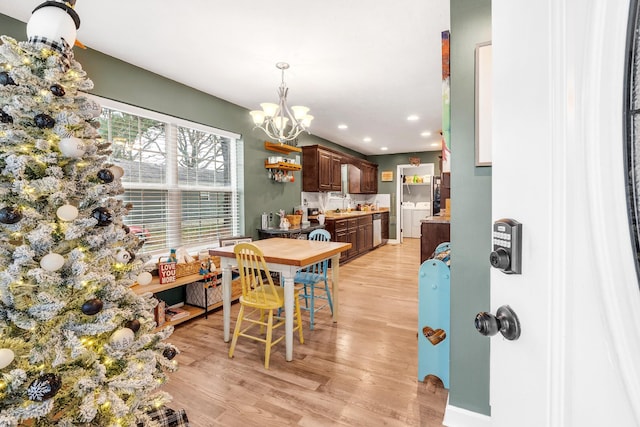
(321, 169)
(361, 175)
(368, 178)
(323, 172)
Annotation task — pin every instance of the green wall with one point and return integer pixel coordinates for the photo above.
(389, 162)
(123, 82)
(471, 186)
(470, 215)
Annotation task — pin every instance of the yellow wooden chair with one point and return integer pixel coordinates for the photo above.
(260, 298)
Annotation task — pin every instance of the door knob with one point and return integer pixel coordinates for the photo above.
(505, 321)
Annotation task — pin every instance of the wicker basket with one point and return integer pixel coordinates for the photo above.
(188, 268)
(294, 220)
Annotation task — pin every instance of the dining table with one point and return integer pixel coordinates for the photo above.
(284, 256)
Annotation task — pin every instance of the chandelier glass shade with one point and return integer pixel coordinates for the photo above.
(279, 121)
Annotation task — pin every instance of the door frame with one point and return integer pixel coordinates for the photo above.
(399, 169)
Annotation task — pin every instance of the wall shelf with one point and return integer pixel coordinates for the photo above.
(283, 166)
(281, 148)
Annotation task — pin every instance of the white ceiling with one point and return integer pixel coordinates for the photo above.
(366, 63)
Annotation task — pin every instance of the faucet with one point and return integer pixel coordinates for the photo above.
(345, 200)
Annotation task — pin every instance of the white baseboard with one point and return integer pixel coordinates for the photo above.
(458, 417)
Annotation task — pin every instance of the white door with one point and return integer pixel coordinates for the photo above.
(558, 169)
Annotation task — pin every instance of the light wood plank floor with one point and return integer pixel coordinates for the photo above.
(361, 371)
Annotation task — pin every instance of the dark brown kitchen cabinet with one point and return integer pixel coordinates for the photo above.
(445, 188)
(339, 233)
(384, 225)
(368, 178)
(352, 237)
(434, 230)
(321, 169)
(363, 177)
(365, 234)
(358, 231)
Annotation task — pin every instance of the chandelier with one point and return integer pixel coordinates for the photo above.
(277, 120)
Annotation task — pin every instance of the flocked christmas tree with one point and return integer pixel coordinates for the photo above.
(77, 346)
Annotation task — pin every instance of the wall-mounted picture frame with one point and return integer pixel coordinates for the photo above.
(386, 176)
(483, 103)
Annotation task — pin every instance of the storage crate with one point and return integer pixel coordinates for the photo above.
(195, 292)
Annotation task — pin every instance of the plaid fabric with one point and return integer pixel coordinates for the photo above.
(62, 48)
(444, 256)
(167, 417)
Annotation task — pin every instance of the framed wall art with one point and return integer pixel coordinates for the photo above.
(483, 104)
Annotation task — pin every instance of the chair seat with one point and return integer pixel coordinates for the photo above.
(308, 278)
(269, 301)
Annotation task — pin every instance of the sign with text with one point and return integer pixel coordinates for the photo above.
(167, 272)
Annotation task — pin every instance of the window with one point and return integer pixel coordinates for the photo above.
(183, 179)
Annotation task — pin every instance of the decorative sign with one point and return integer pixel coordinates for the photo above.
(386, 176)
(167, 272)
(415, 161)
(159, 313)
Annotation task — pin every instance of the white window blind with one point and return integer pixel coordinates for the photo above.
(183, 179)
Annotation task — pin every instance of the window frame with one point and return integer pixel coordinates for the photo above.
(172, 185)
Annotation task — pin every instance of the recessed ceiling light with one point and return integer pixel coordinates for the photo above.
(426, 133)
(343, 126)
(384, 148)
(367, 139)
(436, 144)
(413, 118)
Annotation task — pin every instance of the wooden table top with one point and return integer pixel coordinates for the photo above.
(290, 251)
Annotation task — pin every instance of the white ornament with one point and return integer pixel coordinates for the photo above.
(144, 278)
(71, 147)
(90, 108)
(67, 212)
(122, 338)
(52, 262)
(53, 23)
(6, 357)
(123, 256)
(117, 171)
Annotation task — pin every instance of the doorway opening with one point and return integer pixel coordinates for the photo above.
(414, 198)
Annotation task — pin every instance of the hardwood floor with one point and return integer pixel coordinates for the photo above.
(361, 371)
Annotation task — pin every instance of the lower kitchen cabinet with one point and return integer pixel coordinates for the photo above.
(384, 216)
(365, 234)
(435, 230)
(356, 230)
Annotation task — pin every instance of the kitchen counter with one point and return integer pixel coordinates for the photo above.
(341, 215)
(437, 219)
(292, 232)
